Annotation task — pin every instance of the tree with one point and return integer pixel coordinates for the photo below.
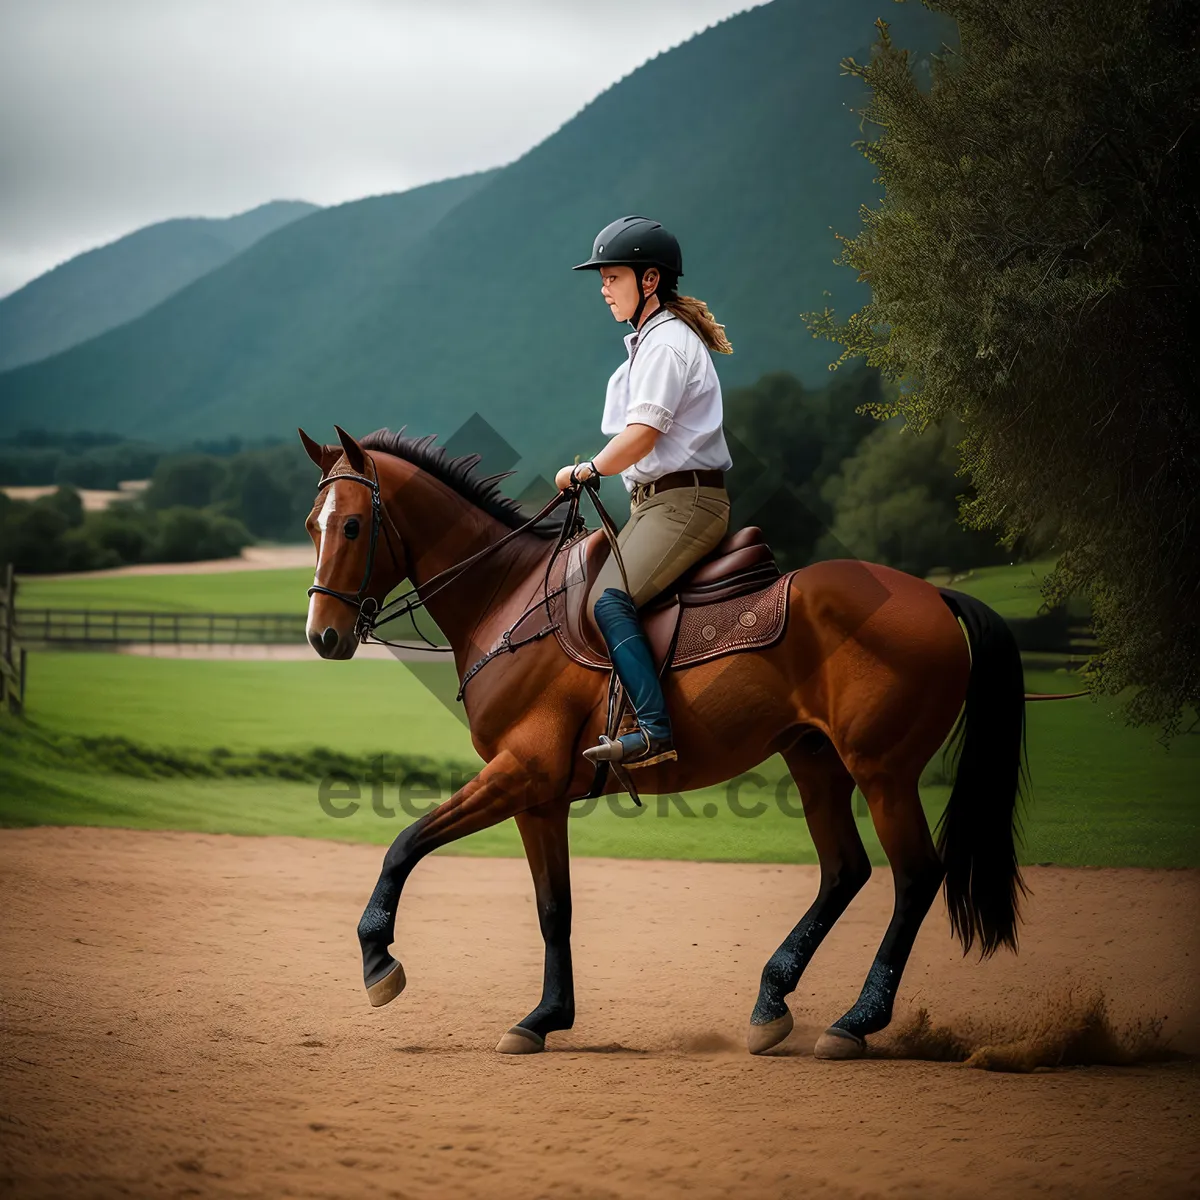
(1033, 269)
(191, 480)
(895, 501)
(270, 491)
(32, 532)
(782, 433)
(192, 534)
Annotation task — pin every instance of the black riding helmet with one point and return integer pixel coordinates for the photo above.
(639, 243)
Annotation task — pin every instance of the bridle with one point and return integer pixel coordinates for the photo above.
(359, 600)
(370, 614)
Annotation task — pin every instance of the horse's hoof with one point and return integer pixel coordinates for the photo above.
(385, 990)
(520, 1041)
(838, 1043)
(761, 1038)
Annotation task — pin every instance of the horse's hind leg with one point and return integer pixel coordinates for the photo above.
(917, 872)
(826, 789)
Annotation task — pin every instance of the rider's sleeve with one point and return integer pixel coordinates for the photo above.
(656, 384)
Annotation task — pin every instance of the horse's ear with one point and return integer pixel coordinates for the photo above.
(354, 452)
(323, 456)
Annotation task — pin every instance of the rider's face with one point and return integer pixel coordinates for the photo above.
(618, 286)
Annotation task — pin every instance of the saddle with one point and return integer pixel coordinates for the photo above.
(734, 598)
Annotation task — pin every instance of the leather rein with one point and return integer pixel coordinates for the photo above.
(371, 615)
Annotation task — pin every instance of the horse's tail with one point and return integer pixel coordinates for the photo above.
(977, 832)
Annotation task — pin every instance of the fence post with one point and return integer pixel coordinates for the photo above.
(6, 667)
(12, 674)
(10, 604)
(4, 649)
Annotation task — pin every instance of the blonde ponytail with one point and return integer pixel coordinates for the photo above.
(694, 313)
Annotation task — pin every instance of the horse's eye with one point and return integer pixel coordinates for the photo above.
(351, 528)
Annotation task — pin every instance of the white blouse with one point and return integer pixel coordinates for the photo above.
(668, 381)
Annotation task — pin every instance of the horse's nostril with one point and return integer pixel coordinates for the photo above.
(330, 637)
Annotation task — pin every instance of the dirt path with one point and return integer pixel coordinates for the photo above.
(285, 652)
(182, 1015)
(252, 558)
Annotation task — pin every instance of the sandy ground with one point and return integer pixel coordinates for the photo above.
(182, 1015)
(93, 499)
(252, 558)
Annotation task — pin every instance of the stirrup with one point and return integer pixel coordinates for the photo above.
(615, 750)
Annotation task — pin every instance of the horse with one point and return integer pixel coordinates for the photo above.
(876, 668)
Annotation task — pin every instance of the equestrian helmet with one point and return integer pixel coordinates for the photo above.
(635, 242)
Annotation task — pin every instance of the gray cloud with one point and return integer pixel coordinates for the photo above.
(117, 113)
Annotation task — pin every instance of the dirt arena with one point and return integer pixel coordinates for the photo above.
(252, 558)
(182, 1015)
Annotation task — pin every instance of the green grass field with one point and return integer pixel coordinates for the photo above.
(1013, 591)
(278, 591)
(1102, 793)
(358, 706)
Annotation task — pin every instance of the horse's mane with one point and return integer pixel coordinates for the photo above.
(459, 473)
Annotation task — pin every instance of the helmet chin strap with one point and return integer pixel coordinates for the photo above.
(640, 272)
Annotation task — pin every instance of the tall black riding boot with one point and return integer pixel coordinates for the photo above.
(617, 618)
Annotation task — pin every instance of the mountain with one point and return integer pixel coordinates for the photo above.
(106, 287)
(431, 306)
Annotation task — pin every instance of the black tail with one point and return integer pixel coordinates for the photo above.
(977, 832)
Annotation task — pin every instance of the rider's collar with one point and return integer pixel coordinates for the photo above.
(648, 323)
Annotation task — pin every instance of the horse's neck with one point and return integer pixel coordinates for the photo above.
(441, 529)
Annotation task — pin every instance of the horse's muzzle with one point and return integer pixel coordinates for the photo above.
(332, 644)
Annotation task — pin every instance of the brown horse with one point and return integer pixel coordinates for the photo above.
(863, 688)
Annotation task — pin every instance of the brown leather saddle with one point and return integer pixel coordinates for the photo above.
(734, 598)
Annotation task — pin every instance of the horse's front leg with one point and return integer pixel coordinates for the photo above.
(507, 785)
(544, 832)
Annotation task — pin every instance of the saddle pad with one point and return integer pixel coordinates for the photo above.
(748, 622)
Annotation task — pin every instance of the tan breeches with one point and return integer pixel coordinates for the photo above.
(665, 534)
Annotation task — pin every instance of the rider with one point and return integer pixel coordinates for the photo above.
(664, 406)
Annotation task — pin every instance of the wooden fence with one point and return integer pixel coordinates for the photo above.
(1051, 633)
(89, 627)
(12, 653)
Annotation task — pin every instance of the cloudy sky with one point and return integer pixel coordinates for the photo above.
(117, 113)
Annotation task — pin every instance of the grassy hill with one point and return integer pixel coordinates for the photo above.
(414, 309)
(106, 287)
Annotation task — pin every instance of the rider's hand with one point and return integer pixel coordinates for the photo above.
(562, 480)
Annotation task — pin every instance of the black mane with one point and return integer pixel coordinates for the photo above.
(459, 473)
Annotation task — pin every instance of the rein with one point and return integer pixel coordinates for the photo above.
(371, 615)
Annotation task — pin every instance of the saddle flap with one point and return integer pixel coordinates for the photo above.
(582, 640)
(660, 627)
(584, 558)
